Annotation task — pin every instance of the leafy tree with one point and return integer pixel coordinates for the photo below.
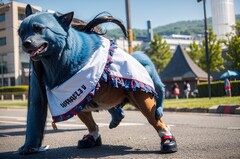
(134, 36)
(195, 52)
(198, 53)
(237, 29)
(159, 52)
(137, 48)
(216, 61)
(233, 49)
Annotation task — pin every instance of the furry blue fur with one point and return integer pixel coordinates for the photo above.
(62, 51)
(159, 86)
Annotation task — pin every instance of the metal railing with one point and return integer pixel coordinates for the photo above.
(14, 96)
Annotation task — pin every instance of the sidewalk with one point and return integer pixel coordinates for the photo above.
(219, 109)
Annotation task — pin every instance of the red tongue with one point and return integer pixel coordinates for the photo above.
(36, 51)
(33, 53)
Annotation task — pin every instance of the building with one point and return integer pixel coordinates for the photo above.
(182, 68)
(14, 62)
(123, 43)
(223, 17)
(184, 40)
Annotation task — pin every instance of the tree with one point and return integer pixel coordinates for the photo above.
(233, 49)
(195, 52)
(198, 54)
(137, 48)
(216, 61)
(236, 28)
(159, 52)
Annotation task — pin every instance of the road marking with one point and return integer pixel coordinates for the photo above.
(233, 128)
(13, 122)
(13, 117)
(72, 125)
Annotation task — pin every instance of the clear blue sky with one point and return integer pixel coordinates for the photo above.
(161, 12)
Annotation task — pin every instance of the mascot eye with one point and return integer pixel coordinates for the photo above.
(21, 33)
(37, 28)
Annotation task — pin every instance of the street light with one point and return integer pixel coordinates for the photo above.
(206, 46)
(2, 65)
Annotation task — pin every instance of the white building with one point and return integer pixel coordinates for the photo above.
(223, 17)
(14, 62)
(184, 40)
(123, 43)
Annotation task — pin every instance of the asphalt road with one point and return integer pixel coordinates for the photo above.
(198, 135)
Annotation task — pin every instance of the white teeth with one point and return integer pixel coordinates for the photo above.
(37, 51)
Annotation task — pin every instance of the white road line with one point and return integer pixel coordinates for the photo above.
(13, 122)
(13, 117)
(72, 125)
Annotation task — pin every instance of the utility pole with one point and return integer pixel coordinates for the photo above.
(206, 46)
(129, 28)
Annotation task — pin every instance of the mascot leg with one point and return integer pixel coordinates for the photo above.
(93, 138)
(146, 104)
(160, 89)
(117, 114)
(159, 86)
(36, 119)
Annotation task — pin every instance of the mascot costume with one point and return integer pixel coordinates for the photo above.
(75, 70)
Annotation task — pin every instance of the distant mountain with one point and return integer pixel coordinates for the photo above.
(193, 27)
(190, 27)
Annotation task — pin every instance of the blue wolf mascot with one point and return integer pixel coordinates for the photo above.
(76, 71)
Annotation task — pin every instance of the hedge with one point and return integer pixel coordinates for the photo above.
(19, 88)
(217, 89)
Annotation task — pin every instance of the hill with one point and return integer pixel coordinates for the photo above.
(190, 27)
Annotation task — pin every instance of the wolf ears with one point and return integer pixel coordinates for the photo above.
(65, 19)
(28, 10)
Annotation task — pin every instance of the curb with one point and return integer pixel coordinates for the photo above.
(193, 110)
(225, 109)
(218, 109)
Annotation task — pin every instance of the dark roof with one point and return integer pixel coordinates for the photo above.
(182, 67)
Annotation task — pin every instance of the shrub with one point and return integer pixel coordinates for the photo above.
(217, 89)
(20, 88)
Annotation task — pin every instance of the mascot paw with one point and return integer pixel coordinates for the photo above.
(117, 116)
(159, 113)
(168, 144)
(88, 141)
(115, 122)
(26, 150)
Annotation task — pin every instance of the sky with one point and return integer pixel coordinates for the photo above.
(160, 12)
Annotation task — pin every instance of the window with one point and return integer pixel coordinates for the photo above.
(21, 16)
(3, 41)
(2, 17)
(3, 67)
(12, 80)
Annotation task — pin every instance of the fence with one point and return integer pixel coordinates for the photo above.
(14, 96)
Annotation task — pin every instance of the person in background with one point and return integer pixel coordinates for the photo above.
(186, 88)
(227, 87)
(175, 90)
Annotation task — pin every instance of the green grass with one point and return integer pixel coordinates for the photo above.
(200, 102)
(168, 103)
(13, 103)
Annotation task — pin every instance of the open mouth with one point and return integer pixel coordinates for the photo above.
(38, 50)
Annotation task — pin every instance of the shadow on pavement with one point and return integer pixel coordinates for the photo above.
(74, 152)
(23, 132)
